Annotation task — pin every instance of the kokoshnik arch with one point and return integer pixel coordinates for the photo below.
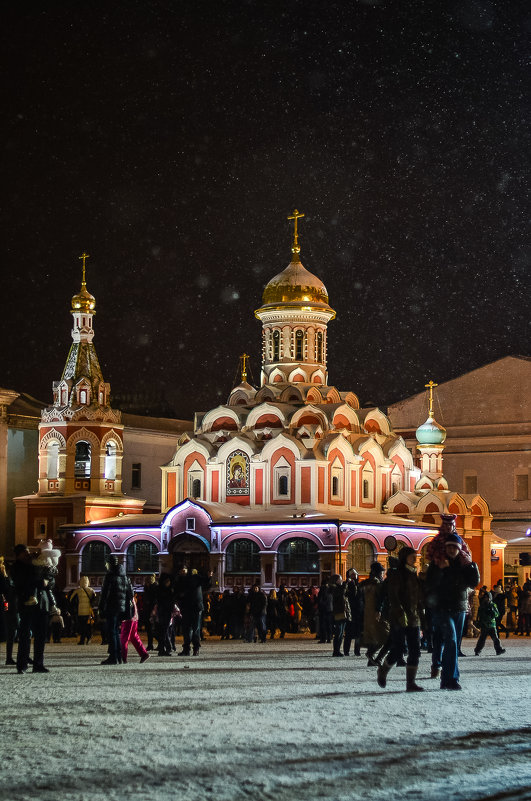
(285, 483)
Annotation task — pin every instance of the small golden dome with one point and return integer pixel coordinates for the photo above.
(84, 301)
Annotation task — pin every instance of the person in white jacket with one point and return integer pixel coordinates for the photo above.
(83, 598)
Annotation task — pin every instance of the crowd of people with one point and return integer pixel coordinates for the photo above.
(393, 615)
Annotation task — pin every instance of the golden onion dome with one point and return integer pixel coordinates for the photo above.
(84, 301)
(295, 285)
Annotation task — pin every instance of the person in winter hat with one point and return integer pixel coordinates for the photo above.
(34, 580)
(83, 598)
(375, 628)
(447, 584)
(435, 550)
(404, 592)
(115, 606)
(487, 616)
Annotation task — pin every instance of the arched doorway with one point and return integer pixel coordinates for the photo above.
(189, 551)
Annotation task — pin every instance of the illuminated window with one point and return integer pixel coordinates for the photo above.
(142, 557)
(298, 555)
(242, 556)
(94, 557)
(360, 554)
(52, 450)
(110, 460)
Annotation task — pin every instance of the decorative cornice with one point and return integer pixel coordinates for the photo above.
(83, 413)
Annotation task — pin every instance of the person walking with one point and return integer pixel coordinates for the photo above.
(524, 609)
(447, 583)
(82, 599)
(404, 592)
(325, 612)
(354, 626)
(488, 615)
(115, 606)
(341, 611)
(189, 589)
(149, 600)
(129, 634)
(375, 628)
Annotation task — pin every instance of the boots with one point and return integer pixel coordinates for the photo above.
(435, 672)
(383, 670)
(411, 685)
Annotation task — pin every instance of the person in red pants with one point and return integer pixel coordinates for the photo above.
(129, 634)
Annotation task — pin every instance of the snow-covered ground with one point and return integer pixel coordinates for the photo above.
(281, 721)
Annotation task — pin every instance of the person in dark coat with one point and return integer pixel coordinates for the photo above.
(341, 610)
(488, 615)
(165, 603)
(273, 613)
(405, 611)
(447, 585)
(353, 627)
(326, 613)
(33, 582)
(9, 611)
(189, 589)
(115, 605)
(258, 609)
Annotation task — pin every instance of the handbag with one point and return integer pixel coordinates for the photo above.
(90, 619)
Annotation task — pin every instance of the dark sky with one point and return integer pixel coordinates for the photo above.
(170, 140)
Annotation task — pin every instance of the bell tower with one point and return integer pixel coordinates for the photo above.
(294, 316)
(80, 435)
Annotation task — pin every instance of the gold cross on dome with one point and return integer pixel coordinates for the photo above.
(243, 363)
(84, 256)
(430, 386)
(295, 216)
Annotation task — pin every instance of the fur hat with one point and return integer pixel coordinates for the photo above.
(112, 561)
(48, 556)
(376, 567)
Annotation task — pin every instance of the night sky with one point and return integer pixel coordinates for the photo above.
(170, 140)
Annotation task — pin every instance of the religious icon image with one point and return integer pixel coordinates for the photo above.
(238, 474)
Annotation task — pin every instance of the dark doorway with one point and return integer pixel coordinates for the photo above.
(191, 552)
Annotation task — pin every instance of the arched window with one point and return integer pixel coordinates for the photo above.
(298, 555)
(242, 556)
(196, 488)
(335, 485)
(360, 554)
(94, 556)
(142, 557)
(276, 346)
(53, 460)
(365, 489)
(299, 345)
(82, 462)
(83, 397)
(110, 460)
(319, 347)
(282, 485)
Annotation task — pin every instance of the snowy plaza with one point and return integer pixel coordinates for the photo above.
(281, 721)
